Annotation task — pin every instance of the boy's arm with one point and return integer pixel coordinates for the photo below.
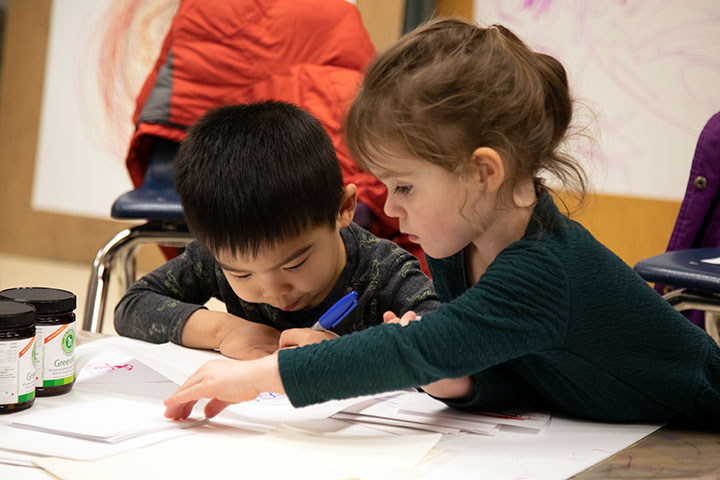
(407, 288)
(157, 306)
(233, 336)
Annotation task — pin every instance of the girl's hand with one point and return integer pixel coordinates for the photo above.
(225, 382)
(297, 337)
(456, 388)
(409, 316)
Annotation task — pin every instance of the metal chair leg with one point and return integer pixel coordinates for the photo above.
(122, 247)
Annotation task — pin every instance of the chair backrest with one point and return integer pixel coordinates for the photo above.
(156, 199)
(697, 225)
(698, 222)
(159, 173)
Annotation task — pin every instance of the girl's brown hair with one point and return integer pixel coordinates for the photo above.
(449, 87)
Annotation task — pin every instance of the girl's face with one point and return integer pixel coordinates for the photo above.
(436, 208)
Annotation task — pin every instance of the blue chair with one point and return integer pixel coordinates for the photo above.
(682, 274)
(156, 203)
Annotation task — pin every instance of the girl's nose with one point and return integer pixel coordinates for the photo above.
(391, 208)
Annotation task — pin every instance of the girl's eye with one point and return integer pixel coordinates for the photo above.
(403, 189)
(295, 267)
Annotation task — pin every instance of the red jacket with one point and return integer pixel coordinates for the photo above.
(307, 52)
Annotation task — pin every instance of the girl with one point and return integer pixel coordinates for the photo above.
(460, 122)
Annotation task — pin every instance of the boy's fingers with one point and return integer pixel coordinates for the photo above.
(390, 317)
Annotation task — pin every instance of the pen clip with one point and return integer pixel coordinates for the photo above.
(339, 311)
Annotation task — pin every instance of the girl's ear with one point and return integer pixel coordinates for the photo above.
(487, 169)
(347, 206)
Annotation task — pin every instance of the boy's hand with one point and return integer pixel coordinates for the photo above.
(297, 337)
(224, 382)
(235, 337)
(249, 340)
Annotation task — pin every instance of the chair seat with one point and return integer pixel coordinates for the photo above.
(149, 204)
(683, 269)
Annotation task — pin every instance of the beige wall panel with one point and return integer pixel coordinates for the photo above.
(448, 8)
(382, 19)
(633, 228)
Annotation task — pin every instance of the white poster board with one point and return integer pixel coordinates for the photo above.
(99, 54)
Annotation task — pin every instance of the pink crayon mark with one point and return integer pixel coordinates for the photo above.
(629, 461)
(106, 367)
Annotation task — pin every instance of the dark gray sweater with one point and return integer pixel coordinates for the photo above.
(556, 317)
(385, 277)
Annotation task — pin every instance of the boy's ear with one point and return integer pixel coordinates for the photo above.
(487, 169)
(347, 206)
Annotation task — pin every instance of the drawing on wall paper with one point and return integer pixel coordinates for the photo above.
(648, 70)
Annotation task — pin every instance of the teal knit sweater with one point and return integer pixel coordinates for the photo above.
(556, 317)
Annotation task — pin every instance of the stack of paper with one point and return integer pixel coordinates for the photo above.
(108, 420)
(303, 455)
(420, 411)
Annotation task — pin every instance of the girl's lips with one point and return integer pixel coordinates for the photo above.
(413, 238)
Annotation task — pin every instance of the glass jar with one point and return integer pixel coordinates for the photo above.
(17, 352)
(55, 336)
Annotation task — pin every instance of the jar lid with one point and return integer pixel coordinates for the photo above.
(45, 300)
(15, 315)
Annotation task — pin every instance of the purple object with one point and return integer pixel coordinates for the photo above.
(363, 215)
(698, 222)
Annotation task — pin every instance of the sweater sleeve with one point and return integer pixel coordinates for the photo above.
(519, 307)
(156, 307)
(406, 288)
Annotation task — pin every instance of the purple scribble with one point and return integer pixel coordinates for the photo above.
(629, 461)
(540, 6)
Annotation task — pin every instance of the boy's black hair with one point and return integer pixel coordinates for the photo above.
(250, 176)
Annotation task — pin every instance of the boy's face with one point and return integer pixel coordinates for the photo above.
(297, 273)
(292, 275)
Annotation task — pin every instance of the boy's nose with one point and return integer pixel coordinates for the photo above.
(274, 289)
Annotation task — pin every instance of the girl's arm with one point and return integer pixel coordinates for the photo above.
(225, 382)
(454, 388)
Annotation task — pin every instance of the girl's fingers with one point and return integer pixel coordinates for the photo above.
(178, 411)
(389, 317)
(214, 407)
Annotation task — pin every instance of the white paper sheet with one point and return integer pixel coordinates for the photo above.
(714, 261)
(109, 420)
(281, 454)
(423, 405)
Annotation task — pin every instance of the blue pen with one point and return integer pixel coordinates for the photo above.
(337, 312)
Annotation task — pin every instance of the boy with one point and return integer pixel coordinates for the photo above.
(263, 194)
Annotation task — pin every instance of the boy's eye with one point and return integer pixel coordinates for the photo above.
(403, 189)
(295, 267)
(240, 277)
